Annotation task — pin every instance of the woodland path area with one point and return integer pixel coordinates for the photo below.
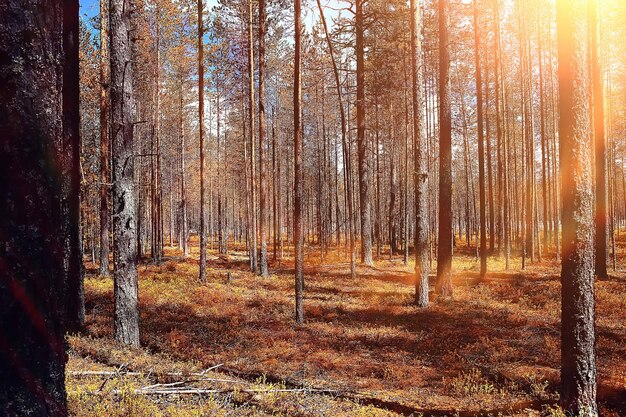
(364, 350)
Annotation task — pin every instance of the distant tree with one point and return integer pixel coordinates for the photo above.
(263, 271)
(125, 289)
(444, 251)
(481, 146)
(578, 356)
(362, 146)
(32, 279)
(298, 179)
(201, 134)
(600, 143)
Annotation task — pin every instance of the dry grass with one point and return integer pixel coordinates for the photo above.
(493, 348)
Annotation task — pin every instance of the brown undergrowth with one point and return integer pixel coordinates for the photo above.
(491, 349)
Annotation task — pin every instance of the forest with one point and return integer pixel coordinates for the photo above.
(312, 208)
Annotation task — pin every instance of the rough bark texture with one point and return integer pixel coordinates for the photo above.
(70, 148)
(421, 165)
(126, 317)
(444, 253)
(362, 148)
(31, 248)
(578, 363)
(297, 192)
(105, 174)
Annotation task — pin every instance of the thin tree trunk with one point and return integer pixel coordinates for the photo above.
(420, 164)
(363, 154)
(601, 251)
(105, 174)
(298, 174)
(262, 191)
(444, 253)
(202, 267)
(254, 264)
(481, 147)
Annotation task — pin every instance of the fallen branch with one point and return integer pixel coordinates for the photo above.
(188, 390)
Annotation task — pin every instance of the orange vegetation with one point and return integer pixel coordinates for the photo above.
(493, 348)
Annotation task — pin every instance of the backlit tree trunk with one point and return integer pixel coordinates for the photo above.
(578, 362)
(444, 253)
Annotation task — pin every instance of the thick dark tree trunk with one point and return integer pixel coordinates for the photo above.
(126, 318)
(32, 275)
(72, 244)
(444, 252)
(420, 171)
(578, 358)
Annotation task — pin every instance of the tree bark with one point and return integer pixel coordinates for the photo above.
(444, 253)
(363, 154)
(31, 245)
(263, 271)
(298, 177)
(202, 271)
(73, 253)
(126, 316)
(481, 147)
(105, 174)
(254, 264)
(600, 144)
(420, 170)
(578, 362)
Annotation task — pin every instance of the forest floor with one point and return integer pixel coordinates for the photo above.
(364, 349)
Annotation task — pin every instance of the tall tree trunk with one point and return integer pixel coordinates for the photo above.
(73, 254)
(126, 316)
(262, 174)
(481, 147)
(298, 174)
(202, 271)
(363, 154)
(254, 263)
(444, 253)
(32, 278)
(105, 174)
(420, 164)
(578, 358)
(184, 227)
(600, 143)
